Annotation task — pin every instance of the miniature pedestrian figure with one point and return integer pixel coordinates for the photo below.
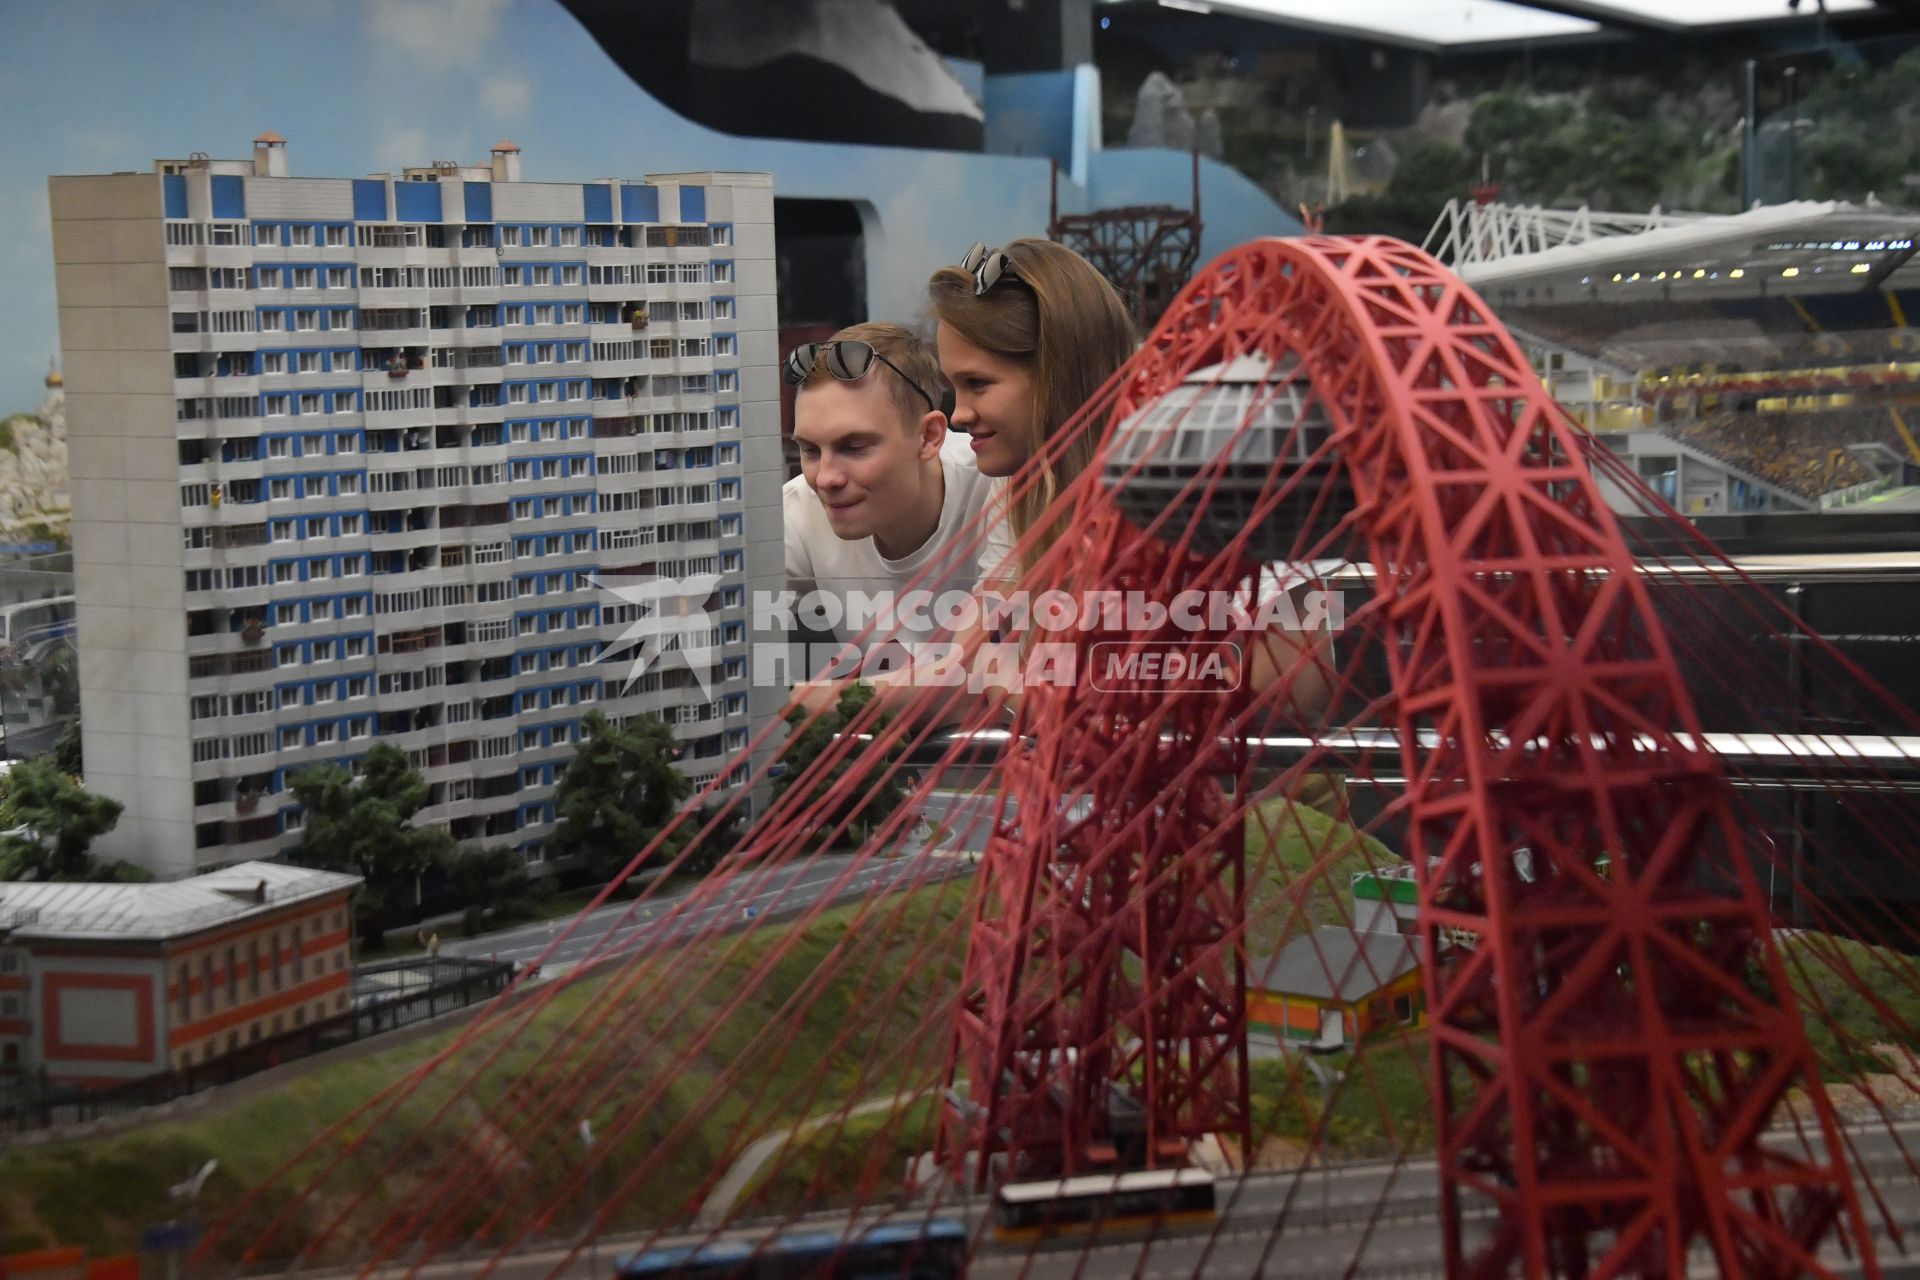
(433, 946)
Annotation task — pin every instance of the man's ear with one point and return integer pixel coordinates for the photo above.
(933, 434)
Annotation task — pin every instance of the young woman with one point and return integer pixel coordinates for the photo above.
(1026, 335)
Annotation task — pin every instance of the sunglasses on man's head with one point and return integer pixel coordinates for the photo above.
(987, 269)
(848, 361)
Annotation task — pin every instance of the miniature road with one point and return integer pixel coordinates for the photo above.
(623, 927)
(1251, 1238)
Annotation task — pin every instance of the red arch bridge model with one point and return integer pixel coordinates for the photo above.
(1611, 1033)
(1622, 1082)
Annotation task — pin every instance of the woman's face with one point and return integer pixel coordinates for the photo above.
(992, 403)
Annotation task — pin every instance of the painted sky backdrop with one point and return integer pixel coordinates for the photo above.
(368, 86)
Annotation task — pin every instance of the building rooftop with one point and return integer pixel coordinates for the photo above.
(1334, 964)
(156, 912)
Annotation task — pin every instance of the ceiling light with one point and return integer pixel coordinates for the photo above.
(1736, 273)
(1861, 268)
(1791, 272)
(1418, 23)
(1695, 14)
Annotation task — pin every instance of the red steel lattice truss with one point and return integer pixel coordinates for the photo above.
(1611, 1024)
(1078, 980)
(1146, 252)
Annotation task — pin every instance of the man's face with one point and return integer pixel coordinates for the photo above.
(860, 456)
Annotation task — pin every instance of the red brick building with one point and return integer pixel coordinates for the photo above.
(107, 982)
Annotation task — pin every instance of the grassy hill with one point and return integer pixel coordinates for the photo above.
(100, 1192)
(1300, 862)
(1849, 1032)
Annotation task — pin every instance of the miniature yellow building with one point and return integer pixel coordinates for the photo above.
(1334, 987)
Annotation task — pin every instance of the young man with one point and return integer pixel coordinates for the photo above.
(887, 498)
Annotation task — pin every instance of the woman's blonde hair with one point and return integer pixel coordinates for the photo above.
(1061, 319)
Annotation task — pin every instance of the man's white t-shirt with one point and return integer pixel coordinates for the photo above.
(853, 572)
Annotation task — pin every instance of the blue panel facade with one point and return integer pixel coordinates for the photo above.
(229, 195)
(1031, 114)
(639, 203)
(369, 200)
(597, 198)
(173, 188)
(416, 201)
(693, 204)
(479, 202)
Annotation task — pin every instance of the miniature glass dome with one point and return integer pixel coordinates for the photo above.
(1244, 428)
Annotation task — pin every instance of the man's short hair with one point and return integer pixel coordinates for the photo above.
(909, 355)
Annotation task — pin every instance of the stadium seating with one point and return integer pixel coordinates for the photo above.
(1800, 452)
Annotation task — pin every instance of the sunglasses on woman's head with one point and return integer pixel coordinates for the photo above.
(847, 360)
(987, 269)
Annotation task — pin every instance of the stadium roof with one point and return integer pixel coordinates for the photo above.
(1469, 24)
(1803, 247)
